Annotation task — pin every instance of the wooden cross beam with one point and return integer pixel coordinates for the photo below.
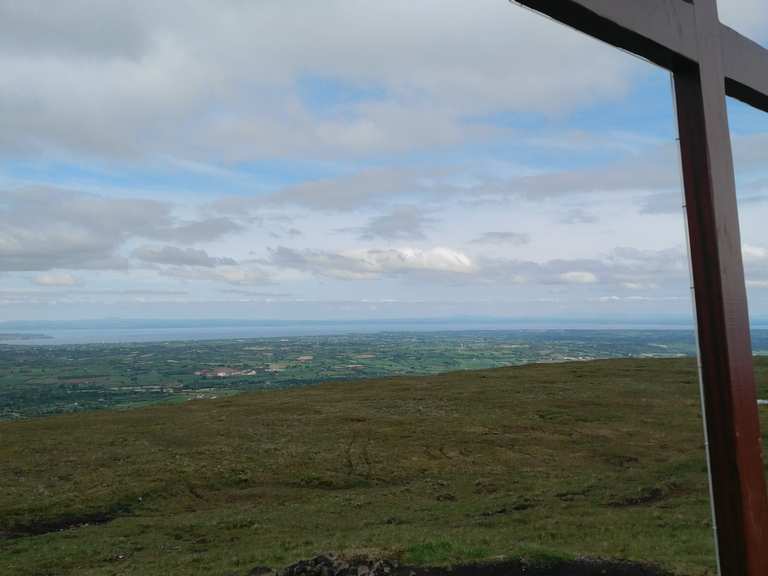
(708, 60)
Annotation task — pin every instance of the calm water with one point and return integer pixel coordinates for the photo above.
(106, 334)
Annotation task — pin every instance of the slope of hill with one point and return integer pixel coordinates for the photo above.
(600, 459)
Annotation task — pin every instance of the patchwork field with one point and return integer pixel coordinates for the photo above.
(600, 459)
(46, 380)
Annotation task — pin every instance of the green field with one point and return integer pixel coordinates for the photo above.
(46, 380)
(600, 459)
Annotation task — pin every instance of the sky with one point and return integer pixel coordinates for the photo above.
(345, 159)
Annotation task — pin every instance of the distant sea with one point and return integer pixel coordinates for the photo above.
(136, 335)
(127, 331)
(117, 331)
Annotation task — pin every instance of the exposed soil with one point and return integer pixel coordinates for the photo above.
(38, 528)
(650, 496)
(331, 565)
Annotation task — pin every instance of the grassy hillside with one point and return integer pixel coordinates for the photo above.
(601, 459)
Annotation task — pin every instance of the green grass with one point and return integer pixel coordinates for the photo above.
(601, 459)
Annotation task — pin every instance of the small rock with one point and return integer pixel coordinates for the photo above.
(329, 565)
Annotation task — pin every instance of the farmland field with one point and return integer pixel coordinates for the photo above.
(42, 380)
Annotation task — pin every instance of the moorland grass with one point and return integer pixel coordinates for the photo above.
(600, 459)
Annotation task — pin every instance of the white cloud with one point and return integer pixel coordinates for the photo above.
(55, 279)
(639, 285)
(369, 264)
(47, 228)
(622, 268)
(10, 297)
(578, 216)
(652, 174)
(753, 253)
(398, 223)
(512, 238)
(175, 256)
(747, 16)
(579, 277)
(241, 275)
(348, 192)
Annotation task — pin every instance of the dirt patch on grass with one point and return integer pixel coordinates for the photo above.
(329, 565)
(40, 527)
(585, 567)
(643, 498)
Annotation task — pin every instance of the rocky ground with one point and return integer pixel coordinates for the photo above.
(332, 565)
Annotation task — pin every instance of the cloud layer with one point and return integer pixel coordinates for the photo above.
(343, 151)
(106, 78)
(47, 228)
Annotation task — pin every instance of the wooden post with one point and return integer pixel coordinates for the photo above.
(707, 59)
(725, 349)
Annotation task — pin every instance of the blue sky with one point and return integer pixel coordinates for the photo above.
(345, 160)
